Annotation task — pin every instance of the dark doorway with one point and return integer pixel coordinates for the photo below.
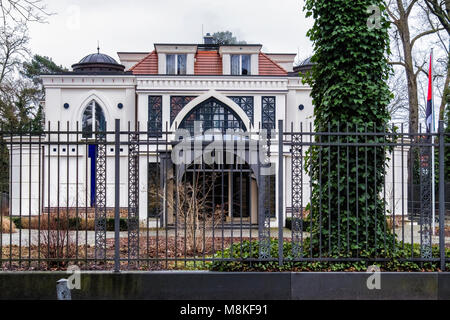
(227, 188)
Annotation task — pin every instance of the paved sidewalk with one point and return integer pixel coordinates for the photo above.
(23, 236)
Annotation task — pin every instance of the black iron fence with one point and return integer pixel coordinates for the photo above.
(121, 198)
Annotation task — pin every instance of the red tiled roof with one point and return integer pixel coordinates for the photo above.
(148, 65)
(268, 67)
(208, 63)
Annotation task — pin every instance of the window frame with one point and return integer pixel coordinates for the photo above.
(93, 104)
(154, 116)
(240, 64)
(227, 118)
(176, 69)
(268, 114)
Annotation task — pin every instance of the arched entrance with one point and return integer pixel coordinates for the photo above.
(212, 114)
(226, 188)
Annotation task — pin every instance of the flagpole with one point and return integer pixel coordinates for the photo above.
(433, 176)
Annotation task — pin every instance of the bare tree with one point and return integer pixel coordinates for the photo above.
(441, 9)
(405, 37)
(441, 65)
(192, 208)
(398, 106)
(13, 49)
(23, 11)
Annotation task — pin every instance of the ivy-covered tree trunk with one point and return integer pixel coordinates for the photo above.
(349, 92)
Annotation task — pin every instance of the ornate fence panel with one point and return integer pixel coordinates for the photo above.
(131, 199)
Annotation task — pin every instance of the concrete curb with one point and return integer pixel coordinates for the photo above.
(203, 285)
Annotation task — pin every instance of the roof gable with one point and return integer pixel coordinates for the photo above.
(148, 65)
(268, 67)
(208, 63)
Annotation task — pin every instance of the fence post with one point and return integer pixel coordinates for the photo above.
(441, 195)
(280, 191)
(117, 197)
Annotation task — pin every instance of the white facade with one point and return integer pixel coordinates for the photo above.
(65, 169)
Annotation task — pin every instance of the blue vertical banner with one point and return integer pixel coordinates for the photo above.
(93, 156)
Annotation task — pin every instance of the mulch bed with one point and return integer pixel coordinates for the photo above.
(155, 253)
(446, 231)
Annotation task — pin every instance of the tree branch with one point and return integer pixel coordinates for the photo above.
(398, 63)
(423, 34)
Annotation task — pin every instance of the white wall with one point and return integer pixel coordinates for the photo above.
(396, 184)
(70, 171)
(25, 176)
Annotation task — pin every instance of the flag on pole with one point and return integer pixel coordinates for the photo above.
(429, 115)
(429, 111)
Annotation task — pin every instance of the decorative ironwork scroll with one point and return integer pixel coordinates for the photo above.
(264, 202)
(425, 199)
(133, 198)
(264, 221)
(297, 203)
(100, 197)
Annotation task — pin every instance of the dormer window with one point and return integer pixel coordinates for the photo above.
(240, 64)
(176, 64)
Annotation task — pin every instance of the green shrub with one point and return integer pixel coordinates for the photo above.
(17, 221)
(76, 223)
(123, 223)
(250, 250)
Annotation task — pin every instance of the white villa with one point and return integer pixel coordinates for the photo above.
(172, 86)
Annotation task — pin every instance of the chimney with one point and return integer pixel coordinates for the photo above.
(208, 39)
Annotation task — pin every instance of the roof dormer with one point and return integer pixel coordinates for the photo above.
(240, 59)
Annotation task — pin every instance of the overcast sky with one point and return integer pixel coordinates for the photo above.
(134, 25)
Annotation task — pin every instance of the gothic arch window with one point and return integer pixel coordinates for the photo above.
(93, 111)
(212, 114)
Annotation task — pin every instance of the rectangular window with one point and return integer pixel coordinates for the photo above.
(245, 64)
(268, 114)
(154, 203)
(155, 116)
(235, 61)
(170, 64)
(177, 103)
(176, 64)
(246, 104)
(240, 64)
(181, 64)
